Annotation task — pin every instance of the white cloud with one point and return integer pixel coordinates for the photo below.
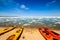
(51, 2)
(24, 7)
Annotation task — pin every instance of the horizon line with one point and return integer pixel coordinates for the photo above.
(29, 16)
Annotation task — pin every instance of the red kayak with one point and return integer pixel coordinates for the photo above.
(47, 35)
(53, 33)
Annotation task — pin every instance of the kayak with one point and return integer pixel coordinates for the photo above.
(16, 35)
(47, 35)
(6, 30)
(53, 33)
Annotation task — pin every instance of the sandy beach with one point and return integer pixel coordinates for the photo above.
(28, 34)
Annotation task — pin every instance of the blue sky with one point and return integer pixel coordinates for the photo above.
(29, 7)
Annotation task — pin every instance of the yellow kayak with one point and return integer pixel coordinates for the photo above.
(16, 35)
(6, 30)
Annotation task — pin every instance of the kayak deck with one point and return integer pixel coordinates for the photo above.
(48, 35)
